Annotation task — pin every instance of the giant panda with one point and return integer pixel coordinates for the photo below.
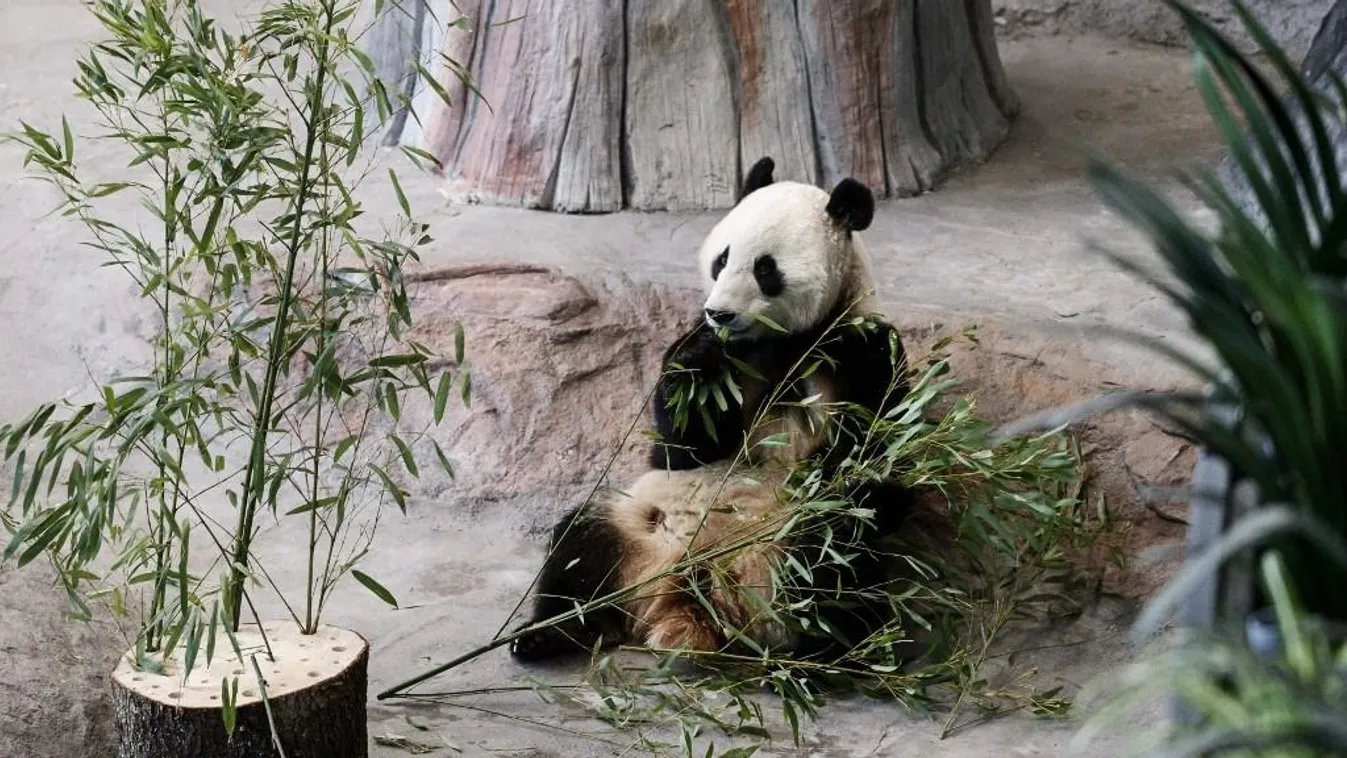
(789, 291)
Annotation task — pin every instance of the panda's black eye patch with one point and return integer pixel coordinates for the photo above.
(768, 276)
(718, 264)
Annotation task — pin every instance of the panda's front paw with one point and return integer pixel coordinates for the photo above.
(698, 349)
(552, 642)
(534, 646)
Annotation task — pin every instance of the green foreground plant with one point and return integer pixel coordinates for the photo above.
(1283, 703)
(281, 357)
(1266, 293)
(1005, 543)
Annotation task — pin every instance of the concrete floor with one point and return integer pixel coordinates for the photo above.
(1002, 243)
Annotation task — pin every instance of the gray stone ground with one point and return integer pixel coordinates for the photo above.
(1001, 245)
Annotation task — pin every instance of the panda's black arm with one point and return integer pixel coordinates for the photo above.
(869, 365)
(868, 370)
(699, 353)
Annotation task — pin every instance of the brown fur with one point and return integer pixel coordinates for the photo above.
(664, 517)
(804, 428)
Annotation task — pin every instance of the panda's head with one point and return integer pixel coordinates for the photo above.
(785, 252)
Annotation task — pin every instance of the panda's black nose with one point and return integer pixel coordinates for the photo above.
(719, 318)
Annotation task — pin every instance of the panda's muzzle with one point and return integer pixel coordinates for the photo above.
(717, 319)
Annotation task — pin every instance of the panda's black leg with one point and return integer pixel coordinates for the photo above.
(697, 352)
(841, 616)
(890, 499)
(581, 565)
(851, 599)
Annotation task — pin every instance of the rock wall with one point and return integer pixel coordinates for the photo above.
(1292, 22)
(540, 432)
(560, 367)
(1326, 58)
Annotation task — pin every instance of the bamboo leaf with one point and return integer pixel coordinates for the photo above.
(69, 139)
(393, 361)
(444, 460)
(192, 648)
(229, 691)
(373, 586)
(314, 505)
(391, 488)
(397, 189)
(442, 395)
(408, 460)
(764, 319)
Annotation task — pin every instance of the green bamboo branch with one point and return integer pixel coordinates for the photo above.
(253, 485)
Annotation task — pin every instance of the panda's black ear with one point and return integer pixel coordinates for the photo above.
(852, 205)
(758, 177)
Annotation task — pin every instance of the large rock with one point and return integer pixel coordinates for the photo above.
(1327, 56)
(1291, 22)
(562, 367)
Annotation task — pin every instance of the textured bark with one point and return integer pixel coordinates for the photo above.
(323, 720)
(663, 104)
(775, 113)
(680, 127)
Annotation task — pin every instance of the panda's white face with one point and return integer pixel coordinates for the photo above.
(779, 255)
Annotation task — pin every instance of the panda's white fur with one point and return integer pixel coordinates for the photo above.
(663, 516)
(827, 263)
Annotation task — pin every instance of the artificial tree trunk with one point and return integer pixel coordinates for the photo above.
(663, 104)
(315, 688)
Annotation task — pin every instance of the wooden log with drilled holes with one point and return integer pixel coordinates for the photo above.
(315, 688)
(664, 104)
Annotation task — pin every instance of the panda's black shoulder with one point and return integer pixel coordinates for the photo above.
(865, 358)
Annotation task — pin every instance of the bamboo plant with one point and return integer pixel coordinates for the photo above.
(282, 356)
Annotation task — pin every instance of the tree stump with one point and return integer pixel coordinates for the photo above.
(664, 104)
(315, 688)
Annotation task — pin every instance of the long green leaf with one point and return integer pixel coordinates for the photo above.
(373, 586)
(1254, 529)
